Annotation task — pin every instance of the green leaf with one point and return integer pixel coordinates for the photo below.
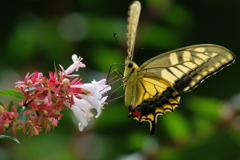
(12, 93)
(21, 116)
(9, 108)
(10, 137)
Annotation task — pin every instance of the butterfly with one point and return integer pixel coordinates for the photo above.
(154, 87)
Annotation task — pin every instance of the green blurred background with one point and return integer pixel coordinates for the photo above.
(36, 33)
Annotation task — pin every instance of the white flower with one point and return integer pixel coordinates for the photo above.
(97, 88)
(81, 117)
(83, 103)
(76, 64)
(101, 86)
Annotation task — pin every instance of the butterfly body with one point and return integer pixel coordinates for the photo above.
(130, 74)
(154, 87)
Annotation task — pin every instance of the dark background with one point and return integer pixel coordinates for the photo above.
(36, 33)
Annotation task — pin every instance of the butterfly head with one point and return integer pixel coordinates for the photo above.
(130, 68)
(130, 65)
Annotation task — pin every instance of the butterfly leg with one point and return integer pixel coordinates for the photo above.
(118, 76)
(113, 77)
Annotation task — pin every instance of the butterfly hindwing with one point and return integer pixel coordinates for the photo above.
(152, 96)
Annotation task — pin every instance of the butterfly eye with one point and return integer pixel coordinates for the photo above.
(130, 65)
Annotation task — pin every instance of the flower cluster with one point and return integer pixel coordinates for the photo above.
(9, 118)
(45, 98)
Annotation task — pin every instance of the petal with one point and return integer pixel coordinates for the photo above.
(61, 67)
(105, 89)
(82, 104)
(80, 126)
(87, 103)
(86, 86)
(96, 104)
(101, 104)
(77, 62)
(70, 69)
(99, 111)
(80, 115)
(79, 65)
(103, 99)
(102, 87)
(90, 100)
(74, 58)
(102, 82)
(97, 95)
(49, 96)
(88, 114)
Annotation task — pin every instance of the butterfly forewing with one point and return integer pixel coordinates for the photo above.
(134, 12)
(187, 67)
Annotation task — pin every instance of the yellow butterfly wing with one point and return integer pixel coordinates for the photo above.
(187, 67)
(154, 87)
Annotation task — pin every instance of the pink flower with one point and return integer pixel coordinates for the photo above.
(45, 98)
(9, 118)
(76, 64)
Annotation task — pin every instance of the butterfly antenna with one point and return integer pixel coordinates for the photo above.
(139, 50)
(114, 35)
